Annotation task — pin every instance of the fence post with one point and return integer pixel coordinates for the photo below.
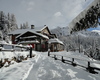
(89, 68)
(84, 53)
(88, 64)
(74, 64)
(72, 60)
(12, 46)
(48, 52)
(62, 59)
(55, 57)
(30, 52)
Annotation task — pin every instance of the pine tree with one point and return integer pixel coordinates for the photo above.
(21, 27)
(27, 25)
(24, 26)
(1, 35)
(1, 16)
(8, 23)
(9, 17)
(13, 23)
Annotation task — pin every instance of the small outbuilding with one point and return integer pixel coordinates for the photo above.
(55, 45)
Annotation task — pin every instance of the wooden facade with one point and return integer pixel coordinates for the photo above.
(37, 41)
(13, 37)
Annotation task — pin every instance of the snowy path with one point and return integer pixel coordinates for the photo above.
(46, 68)
(33, 72)
(42, 67)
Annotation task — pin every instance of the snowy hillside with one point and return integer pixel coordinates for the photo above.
(60, 31)
(64, 31)
(96, 31)
(42, 67)
(87, 33)
(80, 40)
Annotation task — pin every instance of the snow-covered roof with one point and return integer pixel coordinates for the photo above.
(55, 40)
(20, 31)
(82, 15)
(44, 36)
(97, 31)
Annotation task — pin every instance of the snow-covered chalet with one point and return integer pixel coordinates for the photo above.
(40, 38)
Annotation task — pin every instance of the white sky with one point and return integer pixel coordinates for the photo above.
(52, 13)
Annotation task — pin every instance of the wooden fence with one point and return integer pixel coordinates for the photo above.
(72, 62)
(14, 48)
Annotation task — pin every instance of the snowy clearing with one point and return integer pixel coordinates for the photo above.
(42, 67)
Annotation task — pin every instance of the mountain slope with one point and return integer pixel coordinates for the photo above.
(60, 31)
(64, 31)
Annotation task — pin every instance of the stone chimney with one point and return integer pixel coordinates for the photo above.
(32, 26)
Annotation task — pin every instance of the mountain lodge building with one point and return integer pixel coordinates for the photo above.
(39, 38)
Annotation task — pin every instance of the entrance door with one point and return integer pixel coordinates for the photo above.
(38, 47)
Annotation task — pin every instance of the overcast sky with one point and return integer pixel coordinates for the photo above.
(52, 13)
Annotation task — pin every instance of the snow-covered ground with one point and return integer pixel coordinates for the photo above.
(42, 67)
